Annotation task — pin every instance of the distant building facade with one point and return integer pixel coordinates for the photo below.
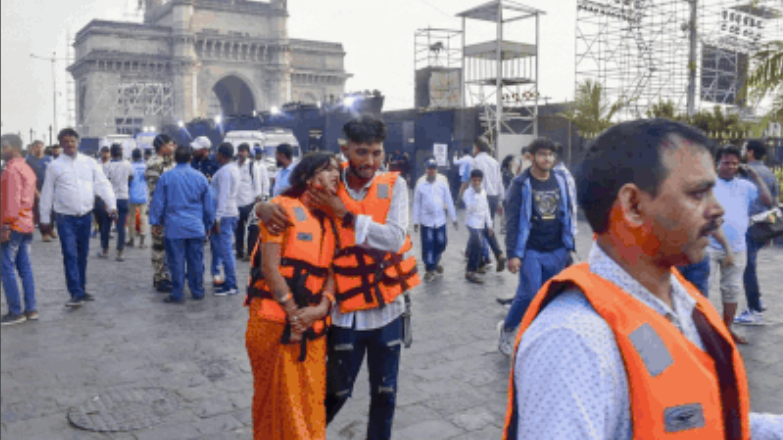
(196, 59)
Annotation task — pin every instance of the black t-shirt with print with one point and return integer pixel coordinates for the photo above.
(545, 220)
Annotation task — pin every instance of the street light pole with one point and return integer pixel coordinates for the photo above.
(50, 134)
(691, 101)
(53, 60)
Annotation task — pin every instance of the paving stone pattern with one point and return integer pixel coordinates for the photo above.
(452, 382)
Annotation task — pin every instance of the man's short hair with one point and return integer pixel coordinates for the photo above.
(67, 132)
(36, 142)
(243, 147)
(476, 173)
(104, 149)
(136, 154)
(365, 129)
(286, 150)
(161, 140)
(226, 150)
(116, 150)
(183, 154)
(629, 152)
(11, 140)
(482, 144)
(542, 143)
(757, 147)
(727, 150)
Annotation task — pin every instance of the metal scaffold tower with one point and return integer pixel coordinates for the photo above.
(125, 105)
(640, 50)
(501, 75)
(438, 64)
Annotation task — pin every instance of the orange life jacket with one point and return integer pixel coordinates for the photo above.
(367, 278)
(305, 258)
(676, 389)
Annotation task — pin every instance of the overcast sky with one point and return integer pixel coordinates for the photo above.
(378, 37)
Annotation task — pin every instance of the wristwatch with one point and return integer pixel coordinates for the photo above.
(348, 219)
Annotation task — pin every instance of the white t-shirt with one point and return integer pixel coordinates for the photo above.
(118, 172)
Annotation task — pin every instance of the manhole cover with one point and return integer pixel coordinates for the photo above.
(124, 410)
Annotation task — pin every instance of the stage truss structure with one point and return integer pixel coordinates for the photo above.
(638, 50)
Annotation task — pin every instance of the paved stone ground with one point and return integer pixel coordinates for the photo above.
(453, 382)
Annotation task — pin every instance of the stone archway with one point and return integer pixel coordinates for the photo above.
(234, 96)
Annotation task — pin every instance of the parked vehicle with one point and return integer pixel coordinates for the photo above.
(268, 139)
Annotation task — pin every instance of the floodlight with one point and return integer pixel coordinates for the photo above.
(181, 124)
(348, 101)
(274, 110)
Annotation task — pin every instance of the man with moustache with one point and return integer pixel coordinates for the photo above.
(621, 346)
(373, 268)
(71, 184)
(284, 155)
(539, 232)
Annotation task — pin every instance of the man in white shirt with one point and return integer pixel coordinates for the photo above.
(430, 197)
(248, 193)
(493, 179)
(120, 174)
(478, 220)
(225, 184)
(71, 184)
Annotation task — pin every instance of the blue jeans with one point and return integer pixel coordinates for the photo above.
(750, 278)
(180, 251)
(477, 236)
(698, 274)
(16, 257)
(225, 240)
(537, 268)
(75, 242)
(433, 243)
(346, 348)
(214, 249)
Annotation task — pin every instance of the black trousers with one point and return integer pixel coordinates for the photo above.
(239, 234)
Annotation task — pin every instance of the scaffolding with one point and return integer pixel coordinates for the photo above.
(639, 50)
(501, 76)
(126, 106)
(438, 65)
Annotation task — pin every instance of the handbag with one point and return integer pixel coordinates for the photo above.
(766, 225)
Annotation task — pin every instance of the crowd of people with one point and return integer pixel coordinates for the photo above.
(621, 344)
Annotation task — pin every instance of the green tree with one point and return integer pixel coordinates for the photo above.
(663, 109)
(591, 111)
(766, 79)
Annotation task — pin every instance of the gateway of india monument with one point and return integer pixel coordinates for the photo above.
(196, 59)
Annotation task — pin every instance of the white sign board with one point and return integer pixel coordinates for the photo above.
(441, 151)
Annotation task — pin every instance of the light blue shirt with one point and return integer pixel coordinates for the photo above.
(569, 371)
(429, 202)
(464, 167)
(736, 196)
(225, 184)
(138, 187)
(182, 203)
(282, 180)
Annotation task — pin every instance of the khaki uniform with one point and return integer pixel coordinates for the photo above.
(156, 166)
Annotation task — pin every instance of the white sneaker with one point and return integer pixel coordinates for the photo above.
(505, 339)
(749, 318)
